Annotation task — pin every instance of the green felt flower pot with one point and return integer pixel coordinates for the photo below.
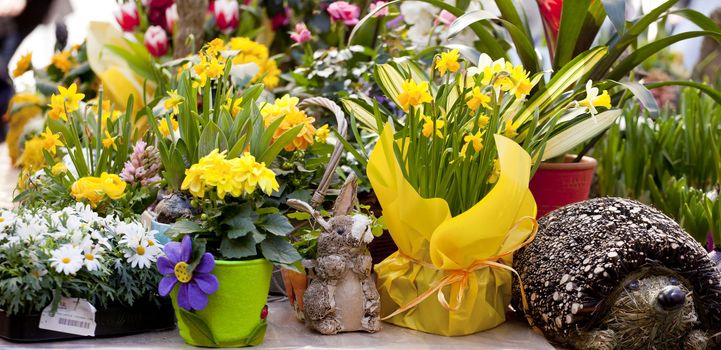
(233, 315)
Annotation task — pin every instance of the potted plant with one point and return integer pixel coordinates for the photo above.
(225, 158)
(51, 255)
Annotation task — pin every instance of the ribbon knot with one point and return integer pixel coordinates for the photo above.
(460, 277)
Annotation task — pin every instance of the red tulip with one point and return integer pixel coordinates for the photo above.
(227, 15)
(127, 16)
(156, 41)
(551, 13)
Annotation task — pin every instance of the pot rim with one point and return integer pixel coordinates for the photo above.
(258, 261)
(586, 163)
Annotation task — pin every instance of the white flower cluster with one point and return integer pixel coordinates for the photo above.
(75, 238)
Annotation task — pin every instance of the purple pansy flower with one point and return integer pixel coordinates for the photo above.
(195, 285)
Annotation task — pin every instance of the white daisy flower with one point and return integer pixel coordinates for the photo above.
(92, 258)
(143, 254)
(67, 259)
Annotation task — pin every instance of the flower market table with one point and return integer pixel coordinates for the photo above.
(285, 332)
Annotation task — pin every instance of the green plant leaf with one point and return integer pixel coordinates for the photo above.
(643, 95)
(286, 138)
(616, 11)
(207, 140)
(711, 92)
(579, 132)
(279, 250)
(361, 111)
(183, 227)
(238, 248)
(276, 224)
(573, 16)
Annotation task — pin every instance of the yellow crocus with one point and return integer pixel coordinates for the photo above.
(448, 61)
(413, 94)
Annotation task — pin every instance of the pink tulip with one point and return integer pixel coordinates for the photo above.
(301, 33)
(227, 15)
(127, 16)
(345, 12)
(445, 17)
(383, 12)
(156, 41)
(171, 16)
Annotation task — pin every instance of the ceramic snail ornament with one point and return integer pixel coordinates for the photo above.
(612, 273)
(342, 296)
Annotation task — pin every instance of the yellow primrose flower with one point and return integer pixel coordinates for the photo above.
(288, 106)
(270, 73)
(475, 140)
(478, 99)
(89, 188)
(448, 61)
(266, 178)
(173, 101)
(495, 173)
(193, 181)
(509, 130)
(59, 168)
(428, 127)
(112, 185)
(593, 100)
(109, 141)
(235, 109)
(165, 129)
(61, 61)
(24, 63)
(321, 134)
(50, 141)
(413, 94)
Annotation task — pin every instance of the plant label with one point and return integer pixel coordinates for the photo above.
(73, 316)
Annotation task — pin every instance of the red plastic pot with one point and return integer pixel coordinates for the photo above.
(558, 184)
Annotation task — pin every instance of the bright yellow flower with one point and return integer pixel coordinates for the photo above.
(109, 141)
(61, 61)
(522, 85)
(59, 168)
(89, 188)
(475, 140)
(266, 178)
(321, 134)
(593, 100)
(448, 61)
(71, 97)
(112, 185)
(478, 99)
(235, 109)
(50, 141)
(413, 94)
(215, 46)
(287, 107)
(509, 130)
(193, 181)
(32, 158)
(270, 73)
(495, 173)
(483, 121)
(163, 126)
(23, 65)
(57, 108)
(428, 127)
(173, 101)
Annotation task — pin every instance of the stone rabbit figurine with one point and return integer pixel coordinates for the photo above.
(341, 297)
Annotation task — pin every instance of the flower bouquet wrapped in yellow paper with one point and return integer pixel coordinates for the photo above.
(451, 174)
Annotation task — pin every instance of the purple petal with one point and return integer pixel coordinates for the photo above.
(165, 266)
(183, 300)
(172, 251)
(166, 285)
(206, 264)
(198, 300)
(206, 282)
(186, 249)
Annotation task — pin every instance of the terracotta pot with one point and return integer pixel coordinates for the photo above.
(558, 184)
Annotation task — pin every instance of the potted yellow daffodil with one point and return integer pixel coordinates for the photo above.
(452, 178)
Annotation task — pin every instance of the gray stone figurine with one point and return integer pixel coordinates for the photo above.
(342, 296)
(612, 273)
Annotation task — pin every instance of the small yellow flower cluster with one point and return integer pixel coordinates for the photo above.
(107, 114)
(229, 176)
(251, 51)
(506, 77)
(413, 94)
(448, 61)
(24, 63)
(287, 107)
(95, 189)
(210, 67)
(68, 100)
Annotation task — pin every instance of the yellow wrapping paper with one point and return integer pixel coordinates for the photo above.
(434, 247)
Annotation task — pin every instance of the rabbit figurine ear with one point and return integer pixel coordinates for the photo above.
(347, 198)
(303, 206)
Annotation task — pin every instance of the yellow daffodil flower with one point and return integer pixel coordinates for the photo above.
(24, 63)
(58, 168)
(165, 129)
(593, 100)
(428, 127)
(476, 140)
(109, 141)
(173, 101)
(495, 173)
(478, 99)
(321, 135)
(61, 61)
(413, 94)
(235, 109)
(71, 97)
(483, 121)
(50, 141)
(448, 61)
(509, 130)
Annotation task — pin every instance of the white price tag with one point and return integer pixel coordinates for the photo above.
(73, 316)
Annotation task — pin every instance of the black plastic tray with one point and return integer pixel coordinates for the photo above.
(113, 321)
